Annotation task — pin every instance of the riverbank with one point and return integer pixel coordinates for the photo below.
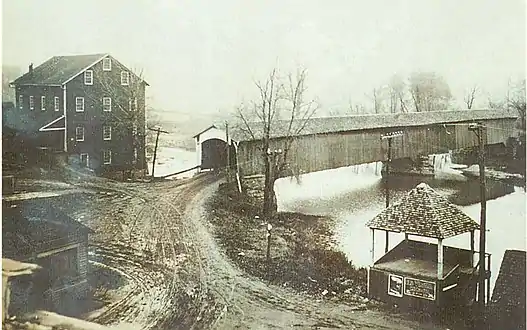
(301, 252)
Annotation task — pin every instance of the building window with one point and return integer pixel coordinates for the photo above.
(31, 103)
(132, 104)
(85, 160)
(107, 157)
(79, 104)
(134, 129)
(107, 133)
(88, 77)
(125, 78)
(79, 133)
(134, 161)
(107, 104)
(57, 103)
(43, 103)
(21, 101)
(107, 64)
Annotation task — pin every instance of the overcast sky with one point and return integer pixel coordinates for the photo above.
(201, 56)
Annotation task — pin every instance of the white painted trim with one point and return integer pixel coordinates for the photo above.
(64, 96)
(56, 103)
(85, 75)
(45, 129)
(110, 153)
(86, 68)
(106, 98)
(87, 158)
(83, 105)
(110, 66)
(83, 133)
(54, 251)
(43, 103)
(127, 80)
(31, 106)
(110, 131)
(446, 288)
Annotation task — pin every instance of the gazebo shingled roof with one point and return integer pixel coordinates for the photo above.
(424, 212)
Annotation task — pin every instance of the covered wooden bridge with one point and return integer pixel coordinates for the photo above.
(327, 143)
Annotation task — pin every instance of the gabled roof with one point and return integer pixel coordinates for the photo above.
(27, 225)
(424, 212)
(508, 297)
(204, 130)
(59, 69)
(323, 125)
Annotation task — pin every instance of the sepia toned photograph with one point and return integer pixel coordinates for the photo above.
(262, 165)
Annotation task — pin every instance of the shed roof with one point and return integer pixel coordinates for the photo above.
(424, 212)
(509, 292)
(29, 224)
(324, 125)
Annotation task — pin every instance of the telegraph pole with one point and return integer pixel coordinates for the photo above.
(158, 130)
(228, 152)
(480, 132)
(389, 137)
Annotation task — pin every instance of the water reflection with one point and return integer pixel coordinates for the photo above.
(353, 199)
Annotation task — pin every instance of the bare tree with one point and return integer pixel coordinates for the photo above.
(397, 95)
(429, 92)
(470, 96)
(281, 107)
(376, 97)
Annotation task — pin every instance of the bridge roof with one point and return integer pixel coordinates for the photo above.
(424, 212)
(324, 125)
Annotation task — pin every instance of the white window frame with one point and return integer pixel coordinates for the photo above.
(21, 101)
(77, 108)
(56, 103)
(107, 129)
(134, 129)
(31, 103)
(125, 74)
(43, 103)
(134, 160)
(104, 105)
(107, 64)
(88, 79)
(104, 153)
(77, 133)
(87, 159)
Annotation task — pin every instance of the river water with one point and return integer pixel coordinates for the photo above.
(353, 195)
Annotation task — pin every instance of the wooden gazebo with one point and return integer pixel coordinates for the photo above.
(417, 274)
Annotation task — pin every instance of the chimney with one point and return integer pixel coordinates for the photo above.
(31, 68)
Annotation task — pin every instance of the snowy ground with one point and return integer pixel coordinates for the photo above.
(171, 160)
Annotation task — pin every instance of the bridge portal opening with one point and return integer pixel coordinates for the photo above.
(214, 154)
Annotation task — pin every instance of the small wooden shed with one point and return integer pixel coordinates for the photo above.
(420, 275)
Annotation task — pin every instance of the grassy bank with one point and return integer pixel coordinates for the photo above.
(301, 253)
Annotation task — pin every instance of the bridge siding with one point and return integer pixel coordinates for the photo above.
(313, 153)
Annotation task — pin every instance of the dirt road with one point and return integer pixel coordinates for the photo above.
(158, 237)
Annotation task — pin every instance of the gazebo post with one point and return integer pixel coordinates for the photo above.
(440, 258)
(372, 250)
(387, 243)
(472, 248)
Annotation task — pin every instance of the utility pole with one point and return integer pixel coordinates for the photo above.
(389, 137)
(228, 152)
(158, 130)
(480, 132)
